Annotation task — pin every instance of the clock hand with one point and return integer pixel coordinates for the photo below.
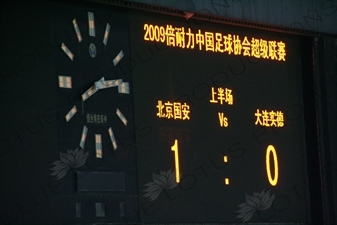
(123, 87)
(92, 90)
(108, 83)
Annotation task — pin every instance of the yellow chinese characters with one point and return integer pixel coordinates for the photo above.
(173, 110)
(269, 118)
(221, 95)
(216, 42)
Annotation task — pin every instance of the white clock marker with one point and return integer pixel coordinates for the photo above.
(84, 136)
(77, 30)
(112, 138)
(118, 58)
(91, 21)
(124, 88)
(106, 34)
(65, 82)
(67, 51)
(121, 117)
(99, 153)
(71, 113)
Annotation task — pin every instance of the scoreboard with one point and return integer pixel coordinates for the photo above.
(220, 133)
(206, 119)
(149, 118)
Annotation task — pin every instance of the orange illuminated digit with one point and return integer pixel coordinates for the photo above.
(146, 35)
(151, 32)
(176, 159)
(272, 181)
(162, 34)
(156, 33)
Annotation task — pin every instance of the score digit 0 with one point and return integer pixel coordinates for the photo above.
(176, 159)
(272, 181)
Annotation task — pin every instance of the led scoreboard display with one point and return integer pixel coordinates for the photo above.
(139, 114)
(168, 120)
(219, 122)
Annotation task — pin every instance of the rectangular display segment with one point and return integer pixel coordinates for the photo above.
(229, 99)
(100, 181)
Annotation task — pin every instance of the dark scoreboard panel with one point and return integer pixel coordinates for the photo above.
(223, 106)
(151, 119)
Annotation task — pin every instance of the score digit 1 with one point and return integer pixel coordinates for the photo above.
(176, 159)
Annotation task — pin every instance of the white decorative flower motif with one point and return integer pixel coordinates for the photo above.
(71, 159)
(258, 201)
(164, 180)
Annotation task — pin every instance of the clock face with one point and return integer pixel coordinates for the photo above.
(94, 100)
(94, 93)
